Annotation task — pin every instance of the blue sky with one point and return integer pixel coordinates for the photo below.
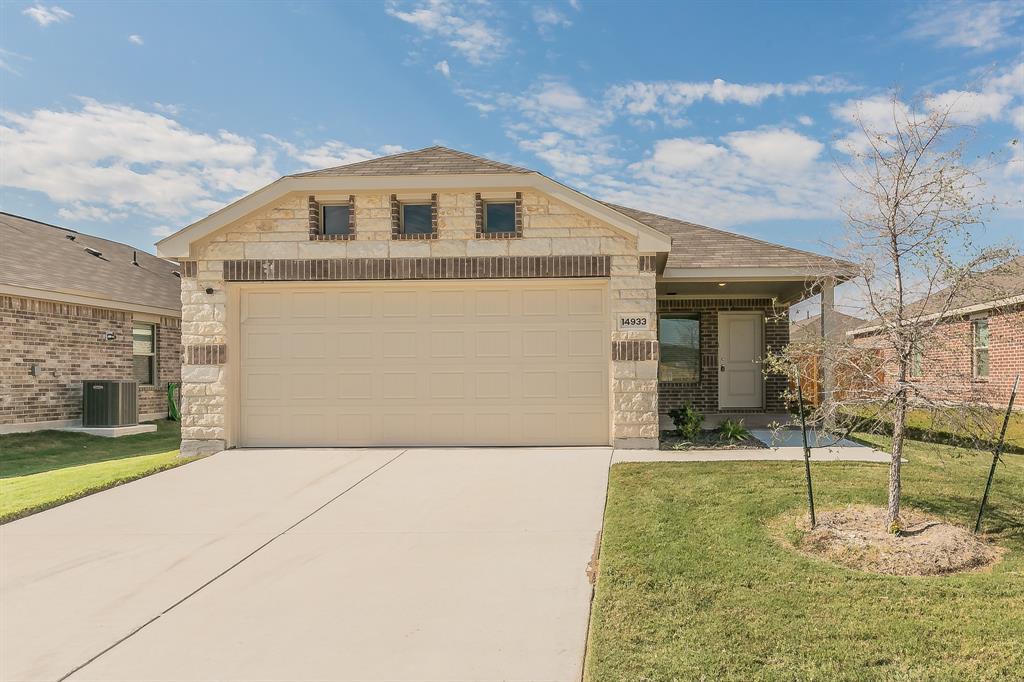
(131, 120)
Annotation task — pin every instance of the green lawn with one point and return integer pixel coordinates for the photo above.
(692, 587)
(43, 469)
(946, 425)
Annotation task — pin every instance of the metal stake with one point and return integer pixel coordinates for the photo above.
(996, 454)
(807, 449)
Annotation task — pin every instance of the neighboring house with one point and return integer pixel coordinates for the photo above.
(76, 307)
(805, 337)
(439, 298)
(978, 346)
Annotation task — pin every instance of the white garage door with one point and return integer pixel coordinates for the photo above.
(440, 363)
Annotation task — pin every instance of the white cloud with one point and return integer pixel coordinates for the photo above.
(575, 4)
(443, 68)
(559, 105)
(136, 39)
(569, 156)
(115, 158)
(44, 16)
(79, 211)
(969, 107)
(979, 26)
(171, 109)
(5, 61)
(471, 36)
(332, 153)
(805, 120)
(549, 18)
(668, 98)
(162, 231)
(780, 150)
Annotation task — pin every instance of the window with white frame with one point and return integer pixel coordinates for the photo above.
(979, 330)
(144, 353)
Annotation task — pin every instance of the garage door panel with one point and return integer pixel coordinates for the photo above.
(451, 363)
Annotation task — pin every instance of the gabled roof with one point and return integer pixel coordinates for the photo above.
(436, 160)
(993, 288)
(41, 260)
(700, 246)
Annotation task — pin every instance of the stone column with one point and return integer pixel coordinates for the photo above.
(204, 350)
(634, 353)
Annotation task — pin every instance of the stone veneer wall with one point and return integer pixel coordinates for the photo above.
(703, 395)
(69, 344)
(282, 233)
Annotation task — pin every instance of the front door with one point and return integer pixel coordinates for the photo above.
(740, 340)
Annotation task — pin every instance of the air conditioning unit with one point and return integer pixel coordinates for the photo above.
(110, 403)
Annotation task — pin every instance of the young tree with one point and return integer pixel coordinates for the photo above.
(914, 205)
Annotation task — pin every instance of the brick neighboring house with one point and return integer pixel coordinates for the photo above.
(435, 297)
(978, 346)
(74, 307)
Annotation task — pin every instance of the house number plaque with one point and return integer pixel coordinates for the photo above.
(629, 323)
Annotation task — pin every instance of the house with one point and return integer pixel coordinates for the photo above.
(978, 345)
(805, 338)
(75, 307)
(435, 297)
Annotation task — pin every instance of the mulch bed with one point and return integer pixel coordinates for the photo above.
(708, 440)
(856, 537)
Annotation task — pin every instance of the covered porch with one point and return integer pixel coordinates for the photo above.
(716, 326)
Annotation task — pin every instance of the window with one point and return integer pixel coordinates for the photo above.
(144, 352)
(679, 340)
(416, 219)
(499, 217)
(335, 219)
(916, 361)
(980, 333)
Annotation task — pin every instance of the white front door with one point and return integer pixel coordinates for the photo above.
(740, 340)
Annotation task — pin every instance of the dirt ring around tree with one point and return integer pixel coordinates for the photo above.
(856, 537)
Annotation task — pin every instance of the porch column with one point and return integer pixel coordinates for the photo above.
(827, 319)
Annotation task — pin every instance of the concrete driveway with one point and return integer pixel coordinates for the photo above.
(426, 564)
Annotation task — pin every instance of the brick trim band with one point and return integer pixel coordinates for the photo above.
(20, 304)
(461, 267)
(206, 354)
(314, 217)
(634, 350)
(647, 263)
(516, 234)
(672, 305)
(189, 268)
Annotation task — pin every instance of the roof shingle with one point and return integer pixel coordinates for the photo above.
(435, 160)
(41, 256)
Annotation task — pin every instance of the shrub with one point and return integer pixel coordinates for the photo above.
(732, 430)
(687, 422)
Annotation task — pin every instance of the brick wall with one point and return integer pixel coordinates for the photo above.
(703, 395)
(947, 360)
(68, 343)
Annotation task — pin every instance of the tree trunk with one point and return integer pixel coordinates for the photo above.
(892, 517)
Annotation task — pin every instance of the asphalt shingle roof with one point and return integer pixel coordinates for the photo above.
(430, 161)
(699, 246)
(41, 256)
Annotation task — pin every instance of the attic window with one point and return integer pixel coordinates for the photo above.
(499, 216)
(335, 219)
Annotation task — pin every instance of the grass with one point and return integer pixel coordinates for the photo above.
(947, 426)
(43, 469)
(692, 587)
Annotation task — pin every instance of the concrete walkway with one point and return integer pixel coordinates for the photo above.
(783, 454)
(369, 565)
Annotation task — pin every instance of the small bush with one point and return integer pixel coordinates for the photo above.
(732, 430)
(687, 422)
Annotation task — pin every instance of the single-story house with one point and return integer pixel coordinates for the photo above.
(435, 297)
(978, 345)
(75, 307)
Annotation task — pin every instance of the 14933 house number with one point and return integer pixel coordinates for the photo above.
(634, 322)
